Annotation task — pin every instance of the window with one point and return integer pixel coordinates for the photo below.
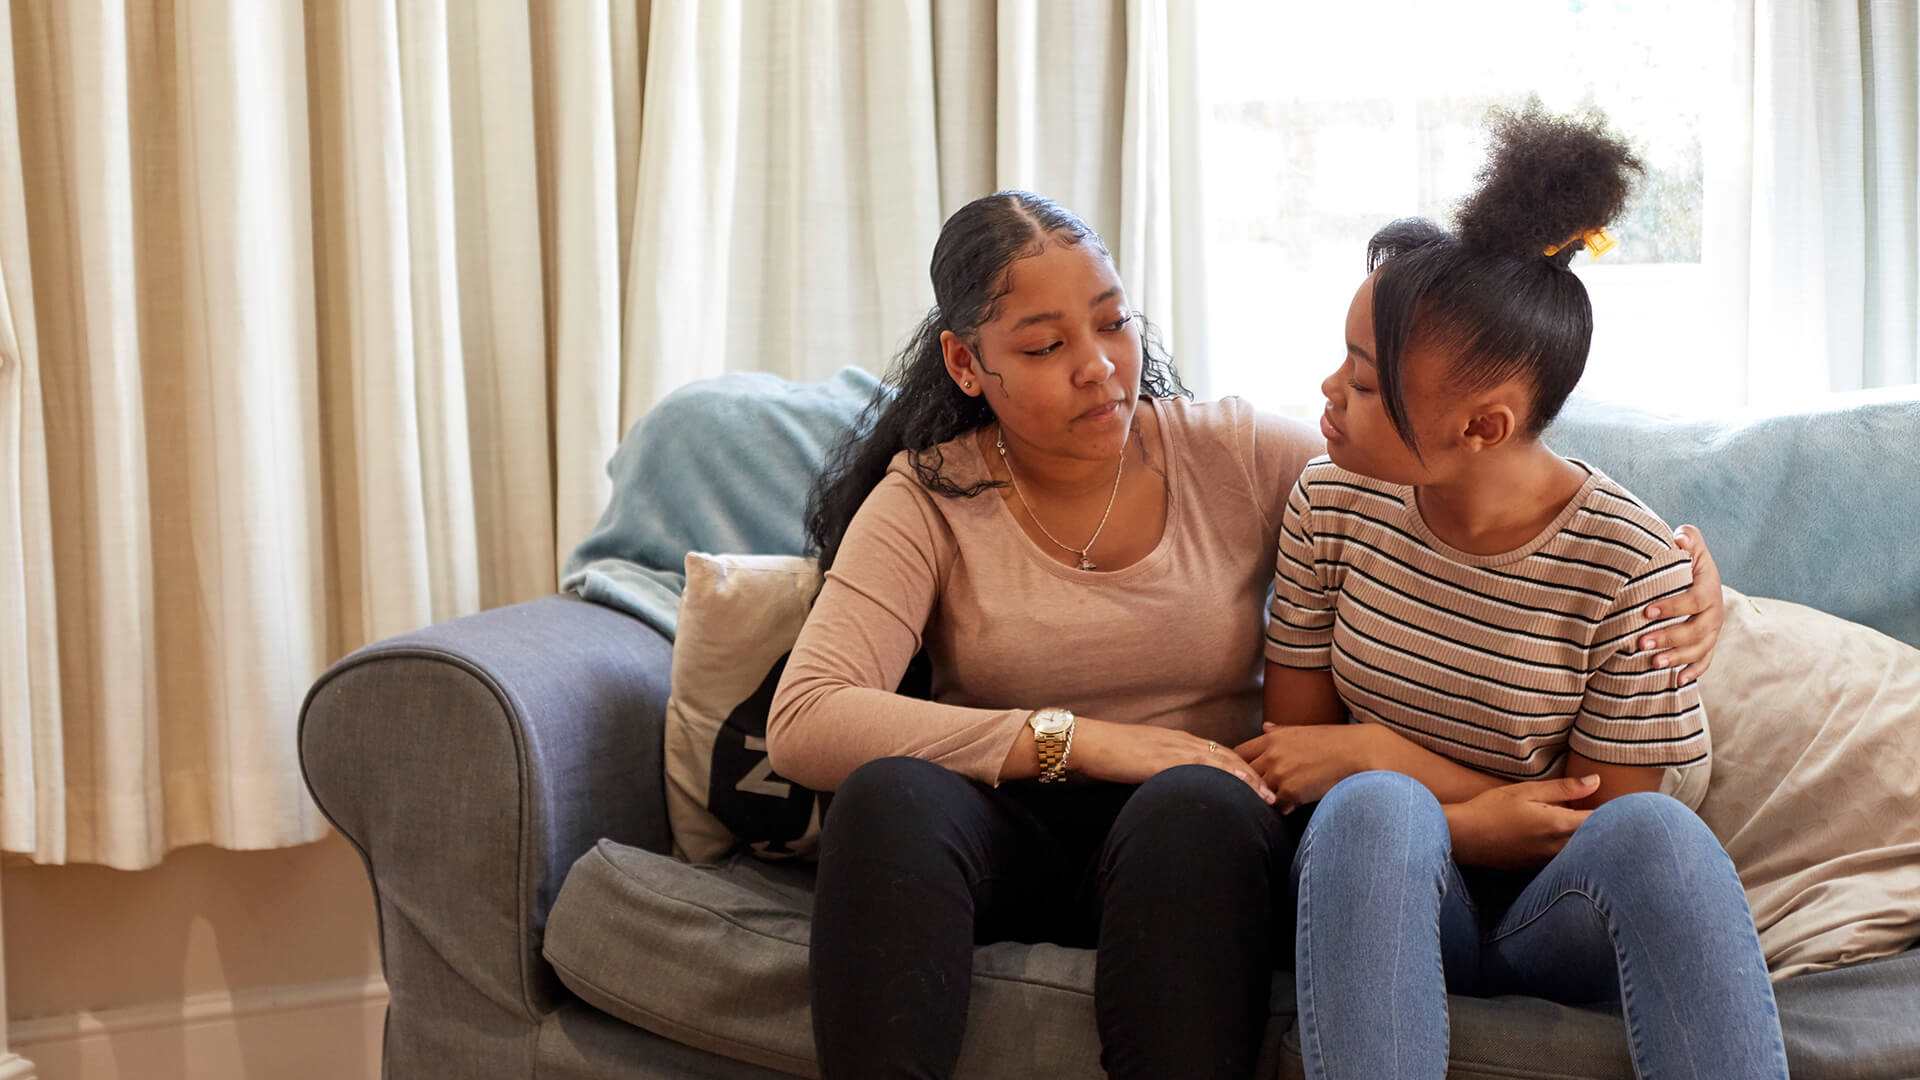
(1325, 121)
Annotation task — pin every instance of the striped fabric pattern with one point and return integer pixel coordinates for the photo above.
(1503, 662)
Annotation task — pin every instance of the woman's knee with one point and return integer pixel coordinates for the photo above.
(1193, 842)
(1189, 802)
(1648, 818)
(1371, 809)
(893, 801)
(1656, 861)
(1650, 829)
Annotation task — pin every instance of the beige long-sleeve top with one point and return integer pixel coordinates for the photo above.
(1176, 639)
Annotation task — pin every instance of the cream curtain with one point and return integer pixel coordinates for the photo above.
(1814, 196)
(796, 161)
(319, 321)
(277, 382)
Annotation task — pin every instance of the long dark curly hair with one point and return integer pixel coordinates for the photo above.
(917, 406)
(1487, 293)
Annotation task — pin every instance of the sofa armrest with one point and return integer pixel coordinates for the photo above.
(471, 763)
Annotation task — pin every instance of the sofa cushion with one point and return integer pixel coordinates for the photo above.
(1851, 1023)
(739, 617)
(1816, 740)
(738, 622)
(716, 957)
(1814, 505)
(721, 464)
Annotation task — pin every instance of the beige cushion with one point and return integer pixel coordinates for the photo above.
(1815, 788)
(739, 617)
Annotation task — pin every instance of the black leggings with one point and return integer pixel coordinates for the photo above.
(1181, 884)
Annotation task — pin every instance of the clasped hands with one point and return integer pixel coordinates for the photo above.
(1302, 763)
(1514, 826)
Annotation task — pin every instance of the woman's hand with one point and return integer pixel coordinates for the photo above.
(1300, 763)
(1134, 753)
(1690, 643)
(1518, 826)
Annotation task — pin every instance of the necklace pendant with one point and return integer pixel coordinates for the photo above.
(1086, 563)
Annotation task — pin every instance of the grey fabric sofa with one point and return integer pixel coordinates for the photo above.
(501, 776)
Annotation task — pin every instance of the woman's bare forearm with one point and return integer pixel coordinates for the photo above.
(1450, 781)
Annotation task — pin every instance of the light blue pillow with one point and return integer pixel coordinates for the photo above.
(720, 465)
(1820, 507)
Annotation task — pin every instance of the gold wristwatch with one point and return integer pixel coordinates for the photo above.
(1053, 741)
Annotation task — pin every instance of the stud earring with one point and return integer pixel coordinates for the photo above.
(968, 385)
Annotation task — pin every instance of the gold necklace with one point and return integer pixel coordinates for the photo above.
(1000, 444)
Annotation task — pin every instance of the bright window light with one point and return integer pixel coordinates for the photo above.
(1325, 121)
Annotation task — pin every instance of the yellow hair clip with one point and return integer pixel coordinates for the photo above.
(1597, 241)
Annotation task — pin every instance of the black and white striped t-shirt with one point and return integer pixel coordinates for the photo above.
(1500, 662)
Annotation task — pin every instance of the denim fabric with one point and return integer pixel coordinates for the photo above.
(1641, 909)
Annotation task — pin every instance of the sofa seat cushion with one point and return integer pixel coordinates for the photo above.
(1850, 1023)
(716, 957)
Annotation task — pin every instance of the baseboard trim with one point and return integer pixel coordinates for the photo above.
(197, 1010)
(318, 1030)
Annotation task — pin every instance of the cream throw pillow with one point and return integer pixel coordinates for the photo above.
(1815, 788)
(739, 616)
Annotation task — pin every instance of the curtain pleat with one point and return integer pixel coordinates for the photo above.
(583, 254)
(233, 432)
(32, 746)
(77, 161)
(502, 298)
(1819, 229)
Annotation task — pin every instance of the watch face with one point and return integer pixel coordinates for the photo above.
(1050, 723)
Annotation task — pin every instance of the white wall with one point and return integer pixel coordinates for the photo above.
(214, 965)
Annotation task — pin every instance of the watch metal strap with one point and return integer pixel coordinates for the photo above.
(1052, 751)
(1053, 757)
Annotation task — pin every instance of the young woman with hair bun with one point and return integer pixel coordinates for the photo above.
(1480, 604)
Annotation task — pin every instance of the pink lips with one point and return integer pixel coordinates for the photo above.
(1101, 412)
(1329, 429)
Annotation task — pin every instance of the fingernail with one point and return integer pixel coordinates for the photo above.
(1653, 613)
(1266, 725)
(1662, 661)
(1589, 780)
(1650, 643)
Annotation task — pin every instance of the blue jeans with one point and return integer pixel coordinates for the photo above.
(1641, 909)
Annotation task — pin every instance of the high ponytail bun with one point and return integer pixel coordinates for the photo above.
(1486, 296)
(1547, 179)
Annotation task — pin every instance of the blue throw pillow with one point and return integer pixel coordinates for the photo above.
(1819, 507)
